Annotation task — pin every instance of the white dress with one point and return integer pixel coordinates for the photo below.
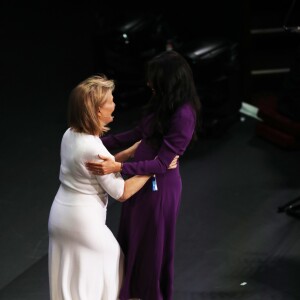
(85, 259)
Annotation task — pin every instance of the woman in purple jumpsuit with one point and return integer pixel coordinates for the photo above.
(148, 220)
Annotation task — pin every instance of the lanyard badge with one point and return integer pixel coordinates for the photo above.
(154, 184)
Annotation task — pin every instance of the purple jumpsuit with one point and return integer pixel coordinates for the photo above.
(148, 219)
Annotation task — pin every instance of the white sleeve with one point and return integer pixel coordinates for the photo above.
(113, 184)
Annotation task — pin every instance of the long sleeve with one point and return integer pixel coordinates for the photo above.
(174, 143)
(122, 140)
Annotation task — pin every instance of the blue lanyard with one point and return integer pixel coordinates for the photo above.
(154, 184)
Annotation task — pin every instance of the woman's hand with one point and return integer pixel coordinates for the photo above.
(173, 164)
(106, 166)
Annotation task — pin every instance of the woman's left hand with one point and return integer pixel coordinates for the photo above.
(173, 164)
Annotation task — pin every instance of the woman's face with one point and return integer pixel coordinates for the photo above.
(106, 110)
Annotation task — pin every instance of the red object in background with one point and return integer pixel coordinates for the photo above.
(275, 136)
(277, 128)
(279, 121)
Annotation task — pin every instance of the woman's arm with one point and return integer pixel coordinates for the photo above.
(174, 143)
(133, 185)
(127, 153)
(121, 189)
(123, 139)
(113, 184)
(108, 165)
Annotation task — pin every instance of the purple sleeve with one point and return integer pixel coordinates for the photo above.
(174, 143)
(122, 140)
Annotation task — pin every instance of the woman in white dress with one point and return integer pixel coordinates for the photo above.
(85, 259)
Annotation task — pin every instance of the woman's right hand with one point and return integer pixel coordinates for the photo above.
(106, 166)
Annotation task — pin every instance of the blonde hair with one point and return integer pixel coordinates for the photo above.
(84, 102)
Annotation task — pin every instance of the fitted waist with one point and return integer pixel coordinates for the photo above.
(68, 196)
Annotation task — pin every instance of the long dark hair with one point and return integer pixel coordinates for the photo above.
(171, 80)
